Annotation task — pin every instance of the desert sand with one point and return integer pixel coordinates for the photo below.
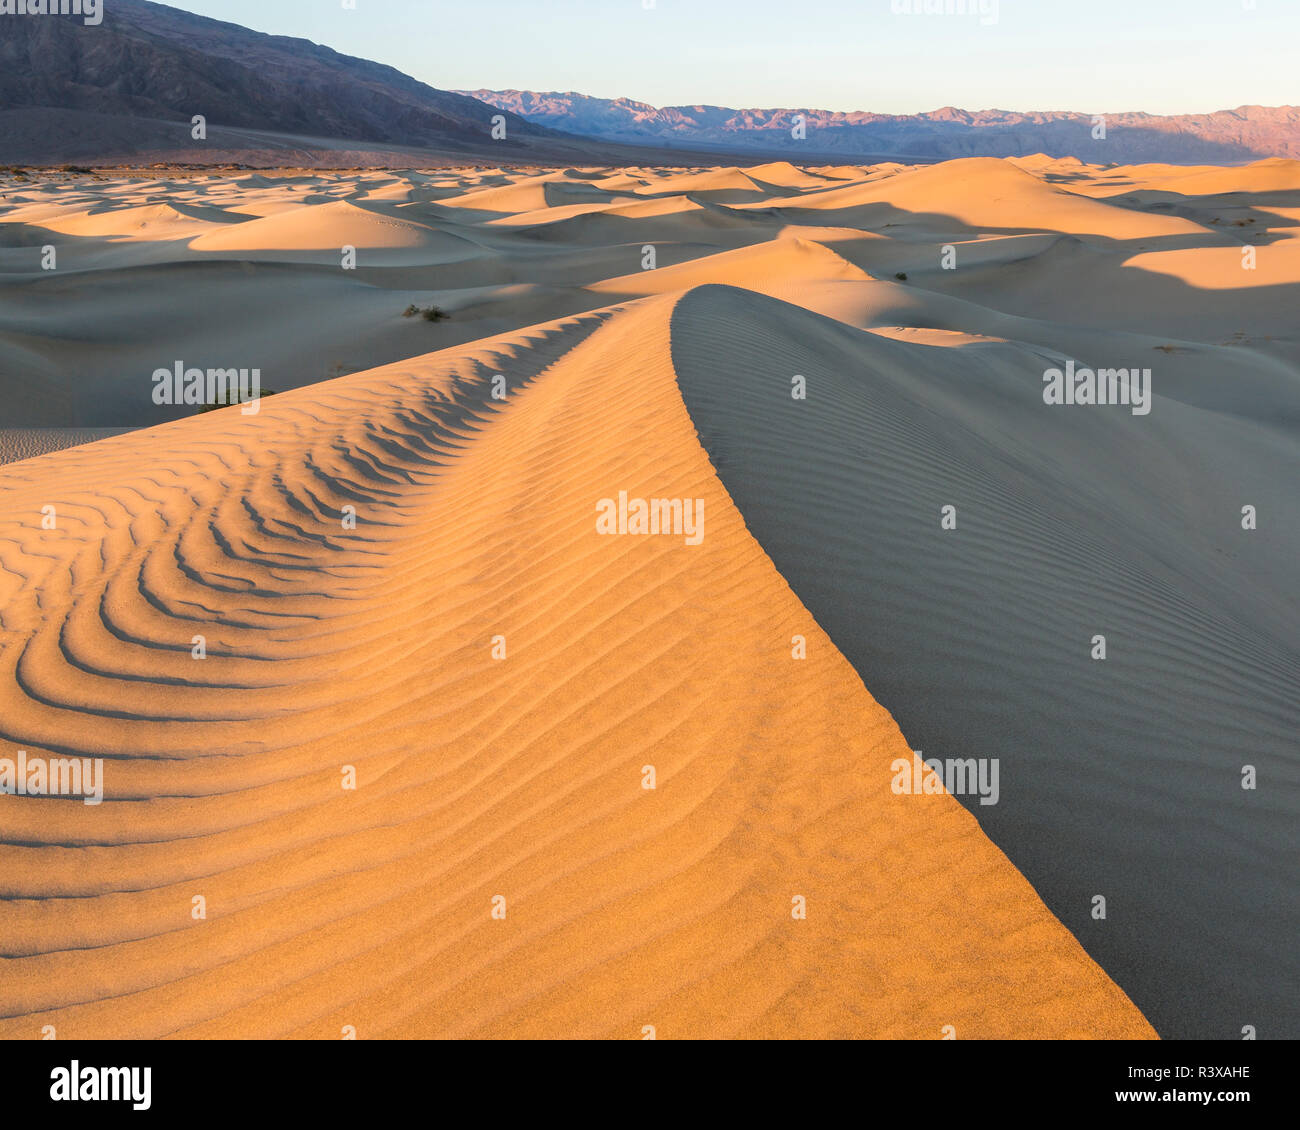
(397, 572)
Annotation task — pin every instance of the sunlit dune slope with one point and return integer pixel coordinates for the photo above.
(521, 777)
(329, 227)
(985, 194)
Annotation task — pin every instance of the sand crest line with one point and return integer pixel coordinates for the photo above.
(479, 772)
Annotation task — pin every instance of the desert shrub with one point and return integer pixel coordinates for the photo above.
(231, 401)
(428, 313)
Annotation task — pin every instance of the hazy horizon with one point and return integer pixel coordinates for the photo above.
(1108, 56)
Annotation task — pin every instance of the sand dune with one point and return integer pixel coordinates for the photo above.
(328, 227)
(150, 221)
(785, 261)
(529, 196)
(987, 195)
(26, 443)
(713, 183)
(1064, 519)
(645, 327)
(521, 777)
(1273, 175)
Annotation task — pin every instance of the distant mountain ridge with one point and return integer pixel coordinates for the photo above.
(126, 90)
(1247, 133)
(71, 90)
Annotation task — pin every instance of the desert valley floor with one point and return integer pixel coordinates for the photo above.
(380, 705)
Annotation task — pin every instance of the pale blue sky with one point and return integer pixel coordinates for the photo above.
(1102, 56)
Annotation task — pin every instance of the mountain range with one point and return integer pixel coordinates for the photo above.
(126, 92)
(128, 89)
(1247, 133)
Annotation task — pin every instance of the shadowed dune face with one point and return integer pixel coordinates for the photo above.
(1122, 777)
(371, 650)
(398, 577)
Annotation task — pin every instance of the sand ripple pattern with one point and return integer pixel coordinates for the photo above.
(372, 647)
(1120, 778)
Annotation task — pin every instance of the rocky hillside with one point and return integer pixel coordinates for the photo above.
(148, 65)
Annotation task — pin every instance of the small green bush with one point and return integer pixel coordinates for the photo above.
(216, 406)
